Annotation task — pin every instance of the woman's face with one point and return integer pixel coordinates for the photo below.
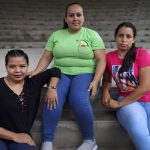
(74, 18)
(17, 68)
(124, 38)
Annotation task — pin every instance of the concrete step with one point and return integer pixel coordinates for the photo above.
(108, 132)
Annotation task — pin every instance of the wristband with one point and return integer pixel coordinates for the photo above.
(52, 87)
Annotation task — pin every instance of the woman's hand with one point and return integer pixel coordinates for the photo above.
(51, 98)
(105, 98)
(31, 73)
(93, 88)
(23, 138)
(113, 104)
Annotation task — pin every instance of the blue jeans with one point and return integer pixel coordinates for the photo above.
(74, 89)
(135, 118)
(10, 145)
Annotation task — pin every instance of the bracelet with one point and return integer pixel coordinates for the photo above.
(52, 87)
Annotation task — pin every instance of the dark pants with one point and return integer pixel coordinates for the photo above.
(10, 145)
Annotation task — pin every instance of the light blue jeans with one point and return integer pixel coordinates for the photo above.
(135, 118)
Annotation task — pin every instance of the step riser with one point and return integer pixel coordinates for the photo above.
(68, 134)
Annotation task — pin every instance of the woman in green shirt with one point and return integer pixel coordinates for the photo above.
(79, 53)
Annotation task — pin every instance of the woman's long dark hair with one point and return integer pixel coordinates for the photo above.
(16, 53)
(131, 54)
(74, 3)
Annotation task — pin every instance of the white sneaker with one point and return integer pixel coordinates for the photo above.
(47, 146)
(88, 145)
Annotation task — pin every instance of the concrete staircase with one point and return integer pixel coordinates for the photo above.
(108, 132)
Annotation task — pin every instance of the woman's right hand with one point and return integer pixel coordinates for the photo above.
(23, 138)
(105, 98)
(31, 73)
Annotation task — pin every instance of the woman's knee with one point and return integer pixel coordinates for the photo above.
(134, 119)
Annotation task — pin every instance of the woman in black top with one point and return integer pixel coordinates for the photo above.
(19, 100)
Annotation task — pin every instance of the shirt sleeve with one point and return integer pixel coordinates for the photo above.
(144, 58)
(108, 65)
(44, 77)
(55, 72)
(97, 42)
(50, 43)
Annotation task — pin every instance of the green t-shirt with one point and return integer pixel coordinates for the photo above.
(74, 53)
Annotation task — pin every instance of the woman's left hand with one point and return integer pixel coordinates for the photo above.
(113, 104)
(93, 88)
(51, 98)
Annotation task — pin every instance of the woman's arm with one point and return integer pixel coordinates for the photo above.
(16, 137)
(51, 78)
(43, 63)
(100, 57)
(51, 95)
(106, 85)
(143, 87)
